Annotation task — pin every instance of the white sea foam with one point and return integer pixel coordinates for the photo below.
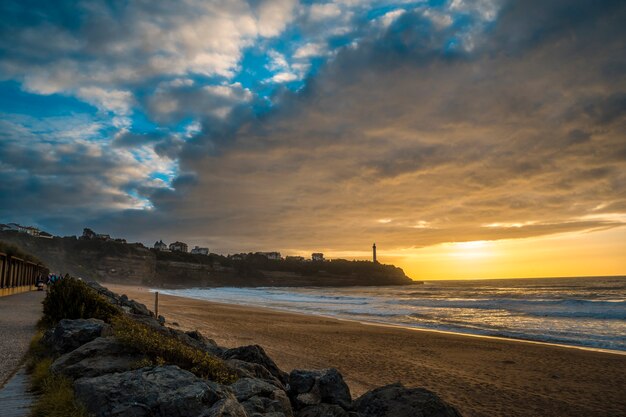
(587, 312)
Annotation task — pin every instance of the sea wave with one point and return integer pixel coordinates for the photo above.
(581, 312)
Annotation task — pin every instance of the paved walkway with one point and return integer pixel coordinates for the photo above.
(15, 400)
(19, 314)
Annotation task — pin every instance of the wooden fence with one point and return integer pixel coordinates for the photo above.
(18, 275)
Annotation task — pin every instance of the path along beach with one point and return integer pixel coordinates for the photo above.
(481, 376)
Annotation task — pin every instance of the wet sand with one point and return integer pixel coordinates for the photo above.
(480, 376)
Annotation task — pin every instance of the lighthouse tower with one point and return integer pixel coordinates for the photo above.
(374, 253)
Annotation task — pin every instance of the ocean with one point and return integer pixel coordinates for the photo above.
(587, 312)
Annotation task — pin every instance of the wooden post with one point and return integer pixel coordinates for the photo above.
(156, 305)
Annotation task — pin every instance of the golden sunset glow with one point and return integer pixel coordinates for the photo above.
(570, 254)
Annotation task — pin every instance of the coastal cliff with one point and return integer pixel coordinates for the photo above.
(136, 264)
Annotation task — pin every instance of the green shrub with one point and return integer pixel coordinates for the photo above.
(164, 349)
(70, 298)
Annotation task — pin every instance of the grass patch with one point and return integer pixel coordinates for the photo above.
(57, 399)
(165, 349)
(36, 351)
(56, 394)
(70, 298)
(39, 372)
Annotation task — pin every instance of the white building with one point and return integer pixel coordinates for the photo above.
(200, 251)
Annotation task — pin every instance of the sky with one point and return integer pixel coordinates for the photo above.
(467, 138)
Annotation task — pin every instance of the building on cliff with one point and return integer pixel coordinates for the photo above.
(160, 246)
(179, 247)
(29, 230)
(200, 251)
(273, 256)
(89, 234)
(317, 257)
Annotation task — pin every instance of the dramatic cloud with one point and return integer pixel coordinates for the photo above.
(306, 126)
(442, 144)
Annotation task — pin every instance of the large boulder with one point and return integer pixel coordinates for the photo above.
(227, 407)
(260, 398)
(397, 401)
(253, 370)
(134, 307)
(207, 344)
(103, 355)
(256, 354)
(128, 305)
(307, 388)
(103, 291)
(161, 391)
(324, 410)
(67, 335)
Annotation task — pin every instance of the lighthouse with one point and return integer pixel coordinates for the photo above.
(374, 253)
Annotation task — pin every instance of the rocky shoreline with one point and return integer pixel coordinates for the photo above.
(109, 379)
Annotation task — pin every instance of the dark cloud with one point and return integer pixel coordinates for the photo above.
(446, 144)
(421, 134)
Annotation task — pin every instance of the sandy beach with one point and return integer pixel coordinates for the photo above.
(480, 376)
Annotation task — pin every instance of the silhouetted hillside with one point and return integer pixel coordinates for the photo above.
(135, 264)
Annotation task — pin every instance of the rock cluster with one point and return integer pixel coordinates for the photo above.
(109, 380)
(70, 334)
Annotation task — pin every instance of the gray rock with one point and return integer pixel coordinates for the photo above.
(397, 401)
(128, 305)
(256, 354)
(105, 292)
(245, 388)
(323, 410)
(308, 388)
(137, 308)
(260, 398)
(253, 370)
(227, 407)
(333, 389)
(207, 344)
(274, 406)
(67, 335)
(161, 391)
(302, 381)
(98, 357)
(196, 335)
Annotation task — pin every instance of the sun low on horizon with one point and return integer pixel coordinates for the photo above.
(469, 139)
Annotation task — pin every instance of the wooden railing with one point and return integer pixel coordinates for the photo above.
(17, 275)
